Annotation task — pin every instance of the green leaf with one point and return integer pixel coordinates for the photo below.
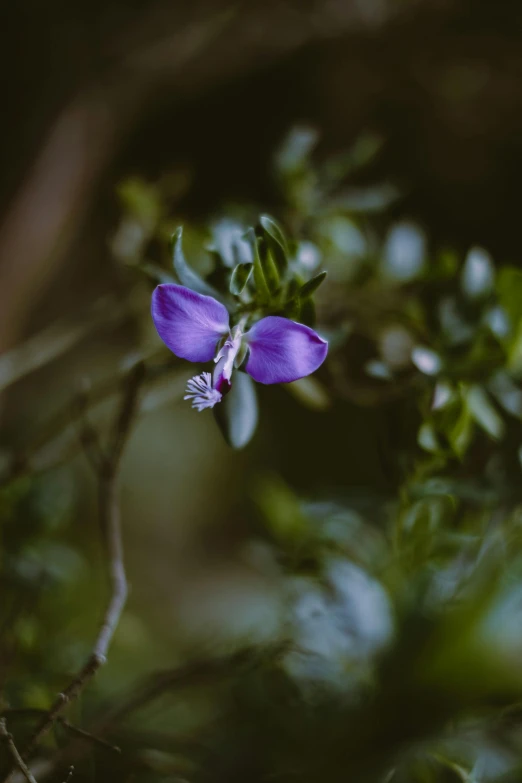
(478, 274)
(262, 289)
(514, 363)
(426, 360)
(310, 393)
(237, 413)
(509, 290)
(460, 434)
(229, 244)
(293, 154)
(312, 285)
(239, 278)
(270, 270)
(186, 275)
(483, 411)
(293, 288)
(292, 309)
(273, 229)
(427, 438)
(275, 240)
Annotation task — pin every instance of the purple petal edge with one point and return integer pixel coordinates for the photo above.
(282, 351)
(190, 324)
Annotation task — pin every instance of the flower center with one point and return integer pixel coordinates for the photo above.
(205, 391)
(225, 359)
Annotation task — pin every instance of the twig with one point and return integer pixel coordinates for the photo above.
(18, 761)
(33, 712)
(155, 686)
(185, 676)
(86, 735)
(109, 510)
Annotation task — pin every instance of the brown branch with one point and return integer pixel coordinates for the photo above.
(36, 712)
(86, 735)
(109, 511)
(154, 687)
(185, 676)
(18, 761)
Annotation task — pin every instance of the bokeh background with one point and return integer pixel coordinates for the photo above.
(340, 599)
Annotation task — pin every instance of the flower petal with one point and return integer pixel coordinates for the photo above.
(190, 324)
(281, 351)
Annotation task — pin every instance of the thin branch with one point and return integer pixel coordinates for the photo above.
(154, 687)
(34, 712)
(18, 761)
(109, 510)
(86, 735)
(185, 676)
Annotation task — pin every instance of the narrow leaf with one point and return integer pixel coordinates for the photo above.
(275, 240)
(460, 434)
(483, 411)
(239, 278)
(478, 274)
(427, 438)
(273, 229)
(310, 393)
(229, 244)
(237, 414)
(293, 288)
(312, 285)
(509, 292)
(259, 276)
(186, 275)
(270, 270)
(426, 360)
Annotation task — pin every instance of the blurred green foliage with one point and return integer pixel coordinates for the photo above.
(389, 642)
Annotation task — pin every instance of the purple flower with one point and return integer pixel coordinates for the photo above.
(197, 328)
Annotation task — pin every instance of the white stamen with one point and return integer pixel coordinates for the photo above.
(201, 392)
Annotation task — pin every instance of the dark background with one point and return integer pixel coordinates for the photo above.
(94, 93)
